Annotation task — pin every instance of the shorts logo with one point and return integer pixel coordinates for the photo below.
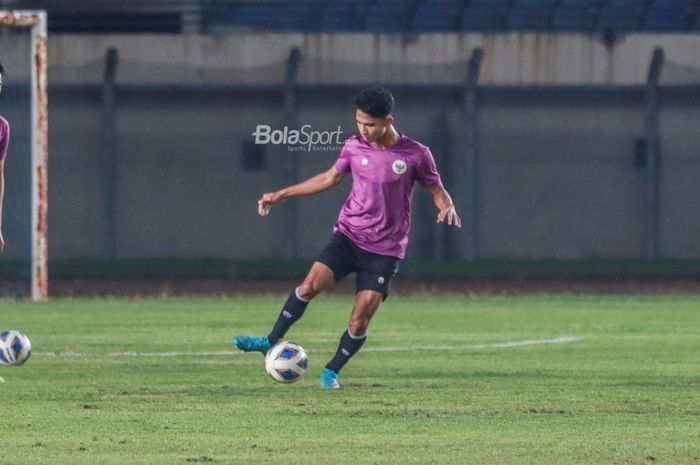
(380, 280)
(365, 162)
(399, 167)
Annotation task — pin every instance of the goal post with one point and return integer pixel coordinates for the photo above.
(36, 21)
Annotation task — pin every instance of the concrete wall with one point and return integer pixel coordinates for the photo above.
(516, 58)
(557, 172)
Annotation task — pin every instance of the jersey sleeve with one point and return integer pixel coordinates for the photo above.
(427, 174)
(342, 165)
(4, 138)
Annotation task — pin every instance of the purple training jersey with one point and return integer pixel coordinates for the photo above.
(4, 137)
(377, 214)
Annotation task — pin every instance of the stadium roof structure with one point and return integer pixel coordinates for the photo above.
(375, 16)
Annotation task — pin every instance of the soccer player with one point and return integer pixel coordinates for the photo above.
(371, 233)
(4, 142)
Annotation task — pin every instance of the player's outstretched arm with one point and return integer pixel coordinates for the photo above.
(313, 185)
(443, 202)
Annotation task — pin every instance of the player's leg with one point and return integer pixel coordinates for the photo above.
(333, 264)
(373, 278)
(366, 305)
(319, 278)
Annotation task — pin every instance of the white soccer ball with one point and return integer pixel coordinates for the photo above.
(286, 362)
(16, 347)
(6, 357)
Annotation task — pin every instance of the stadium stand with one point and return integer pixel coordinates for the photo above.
(437, 16)
(386, 16)
(302, 15)
(344, 16)
(576, 15)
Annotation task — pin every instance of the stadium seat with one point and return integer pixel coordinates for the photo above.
(344, 16)
(397, 16)
(629, 3)
(260, 15)
(491, 3)
(581, 3)
(574, 19)
(121, 22)
(536, 3)
(483, 18)
(387, 17)
(302, 16)
(437, 16)
(665, 17)
(662, 18)
(529, 18)
(620, 18)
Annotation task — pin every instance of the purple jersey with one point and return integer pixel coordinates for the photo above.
(377, 214)
(4, 137)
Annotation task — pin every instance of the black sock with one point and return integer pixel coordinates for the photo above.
(349, 345)
(293, 309)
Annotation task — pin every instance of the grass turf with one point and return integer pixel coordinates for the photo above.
(627, 393)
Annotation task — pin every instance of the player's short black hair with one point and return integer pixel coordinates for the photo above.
(375, 101)
(2, 69)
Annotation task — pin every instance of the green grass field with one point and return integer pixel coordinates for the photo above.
(439, 383)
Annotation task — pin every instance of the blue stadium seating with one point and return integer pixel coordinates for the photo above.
(536, 3)
(629, 3)
(302, 16)
(258, 15)
(664, 16)
(574, 19)
(382, 16)
(619, 18)
(529, 19)
(344, 16)
(483, 18)
(491, 3)
(437, 16)
(388, 16)
(581, 3)
(114, 22)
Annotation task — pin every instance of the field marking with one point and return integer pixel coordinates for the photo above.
(218, 353)
(497, 345)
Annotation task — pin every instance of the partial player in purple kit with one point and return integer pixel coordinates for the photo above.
(371, 234)
(4, 142)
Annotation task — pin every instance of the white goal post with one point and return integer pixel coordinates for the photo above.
(36, 20)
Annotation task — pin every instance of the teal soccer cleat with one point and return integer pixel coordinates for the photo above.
(329, 379)
(252, 343)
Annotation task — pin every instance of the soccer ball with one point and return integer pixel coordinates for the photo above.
(286, 362)
(6, 357)
(16, 347)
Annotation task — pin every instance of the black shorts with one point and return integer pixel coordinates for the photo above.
(374, 271)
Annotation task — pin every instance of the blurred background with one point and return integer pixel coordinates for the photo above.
(565, 130)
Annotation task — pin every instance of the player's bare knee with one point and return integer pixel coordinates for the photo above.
(358, 326)
(309, 289)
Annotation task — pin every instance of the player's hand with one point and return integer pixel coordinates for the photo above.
(267, 201)
(450, 214)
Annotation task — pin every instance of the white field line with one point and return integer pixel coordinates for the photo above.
(497, 345)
